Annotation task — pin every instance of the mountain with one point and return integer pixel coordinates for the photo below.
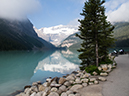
(71, 41)
(56, 34)
(20, 35)
(121, 34)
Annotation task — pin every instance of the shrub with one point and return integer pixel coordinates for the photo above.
(91, 68)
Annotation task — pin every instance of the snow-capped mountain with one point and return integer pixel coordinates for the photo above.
(56, 34)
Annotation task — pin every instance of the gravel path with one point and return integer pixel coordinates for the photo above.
(118, 80)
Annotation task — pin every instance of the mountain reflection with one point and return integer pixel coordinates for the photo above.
(57, 63)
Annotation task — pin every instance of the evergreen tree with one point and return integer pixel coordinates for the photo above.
(95, 32)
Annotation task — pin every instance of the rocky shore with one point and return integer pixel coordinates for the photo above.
(68, 85)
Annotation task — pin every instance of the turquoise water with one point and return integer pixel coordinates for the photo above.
(20, 68)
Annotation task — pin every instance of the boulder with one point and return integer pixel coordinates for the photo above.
(71, 95)
(96, 82)
(92, 79)
(64, 94)
(62, 80)
(55, 85)
(77, 94)
(78, 81)
(34, 88)
(67, 83)
(104, 67)
(46, 84)
(34, 84)
(48, 80)
(95, 73)
(84, 84)
(53, 94)
(91, 83)
(63, 88)
(86, 75)
(110, 66)
(76, 87)
(99, 68)
(85, 80)
(54, 89)
(69, 92)
(70, 77)
(41, 87)
(103, 74)
(102, 78)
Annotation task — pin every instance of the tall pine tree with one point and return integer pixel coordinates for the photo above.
(96, 33)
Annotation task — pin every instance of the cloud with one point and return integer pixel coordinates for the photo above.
(119, 14)
(117, 10)
(17, 9)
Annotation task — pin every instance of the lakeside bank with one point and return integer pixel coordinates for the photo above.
(67, 85)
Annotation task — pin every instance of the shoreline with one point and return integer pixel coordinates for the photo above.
(69, 84)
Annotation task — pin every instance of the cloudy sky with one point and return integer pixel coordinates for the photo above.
(47, 13)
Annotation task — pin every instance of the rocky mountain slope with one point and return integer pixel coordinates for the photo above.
(56, 34)
(20, 35)
(121, 33)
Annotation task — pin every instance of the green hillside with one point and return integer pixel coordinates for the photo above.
(121, 33)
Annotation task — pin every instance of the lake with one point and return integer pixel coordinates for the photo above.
(21, 68)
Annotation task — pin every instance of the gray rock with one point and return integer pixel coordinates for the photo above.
(39, 94)
(110, 66)
(27, 89)
(77, 94)
(92, 79)
(64, 94)
(78, 81)
(54, 89)
(62, 80)
(71, 95)
(55, 85)
(99, 68)
(46, 84)
(69, 92)
(67, 83)
(34, 84)
(96, 82)
(34, 88)
(49, 80)
(95, 73)
(41, 87)
(102, 78)
(84, 84)
(70, 77)
(103, 74)
(104, 67)
(44, 94)
(53, 94)
(59, 92)
(76, 87)
(47, 89)
(91, 83)
(86, 75)
(85, 80)
(63, 88)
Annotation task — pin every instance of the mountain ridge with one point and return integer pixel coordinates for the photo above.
(20, 35)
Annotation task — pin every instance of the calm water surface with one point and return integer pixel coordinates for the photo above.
(20, 68)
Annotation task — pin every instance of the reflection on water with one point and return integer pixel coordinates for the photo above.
(18, 69)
